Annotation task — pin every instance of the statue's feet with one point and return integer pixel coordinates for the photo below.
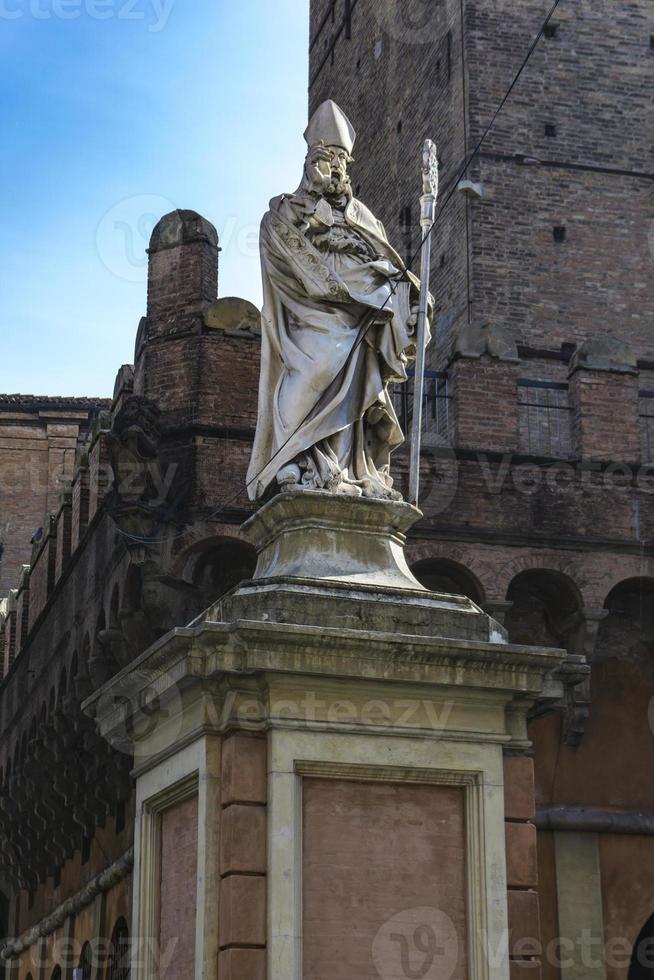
(376, 491)
(349, 489)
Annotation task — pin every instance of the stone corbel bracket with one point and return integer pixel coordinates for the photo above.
(576, 704)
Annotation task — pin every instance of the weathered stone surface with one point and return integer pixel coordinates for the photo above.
(233, 313)
(243, 778)
(519, 789)
(243, 911)
(604, 352)
(313, 534)
(521, 856)
(242, 964)
(181, 227)
(473, 340)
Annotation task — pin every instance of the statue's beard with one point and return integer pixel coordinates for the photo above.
(339, 187)
(340, 184)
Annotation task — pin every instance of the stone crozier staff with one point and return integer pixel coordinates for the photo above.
(326, 418)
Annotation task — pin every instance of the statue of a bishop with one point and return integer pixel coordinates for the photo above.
(338, 331)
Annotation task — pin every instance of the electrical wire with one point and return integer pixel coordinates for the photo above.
(371, 318)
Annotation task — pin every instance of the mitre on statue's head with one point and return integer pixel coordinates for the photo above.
(330, 125)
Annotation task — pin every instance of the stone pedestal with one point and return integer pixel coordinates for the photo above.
(310, 534)
(342, 732)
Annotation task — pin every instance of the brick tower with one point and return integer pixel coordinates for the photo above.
(540, 391)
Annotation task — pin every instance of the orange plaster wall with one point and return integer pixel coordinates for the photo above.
(627, 896)
(179, 850)
(606, 770)
(372, 851)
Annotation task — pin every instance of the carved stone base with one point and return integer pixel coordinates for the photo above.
(318, 535)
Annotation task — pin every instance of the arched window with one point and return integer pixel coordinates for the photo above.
(444, 575)
(543, 610)
(85, 968)
(219, 568)
(118, 968)
(642, 957)
(56, 973)
(627, 632)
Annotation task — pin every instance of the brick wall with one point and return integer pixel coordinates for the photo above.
(100, 475)
(42, 575)
(393, 69)
(397, 93)
(80, 498)
(38, 440)
(605, 412)
(485, 396)
(64, 534)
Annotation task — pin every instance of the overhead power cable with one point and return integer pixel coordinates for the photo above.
(371, 318)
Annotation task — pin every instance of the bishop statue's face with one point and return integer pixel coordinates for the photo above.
(339, 160)
(326, 171)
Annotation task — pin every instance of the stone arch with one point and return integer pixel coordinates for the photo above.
(445, 575)
(483, 572)
(627, 632)
(545, 608)
(119, 955)
(215, 565)
(569, 570)
(85, 967)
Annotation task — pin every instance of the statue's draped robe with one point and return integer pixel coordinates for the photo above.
(316, 305)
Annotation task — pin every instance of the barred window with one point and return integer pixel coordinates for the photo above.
(437, 417)
(545, 418)
(646, 413)
(84, 970)
(119, 956)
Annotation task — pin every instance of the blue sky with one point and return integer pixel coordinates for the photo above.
(115, 112)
